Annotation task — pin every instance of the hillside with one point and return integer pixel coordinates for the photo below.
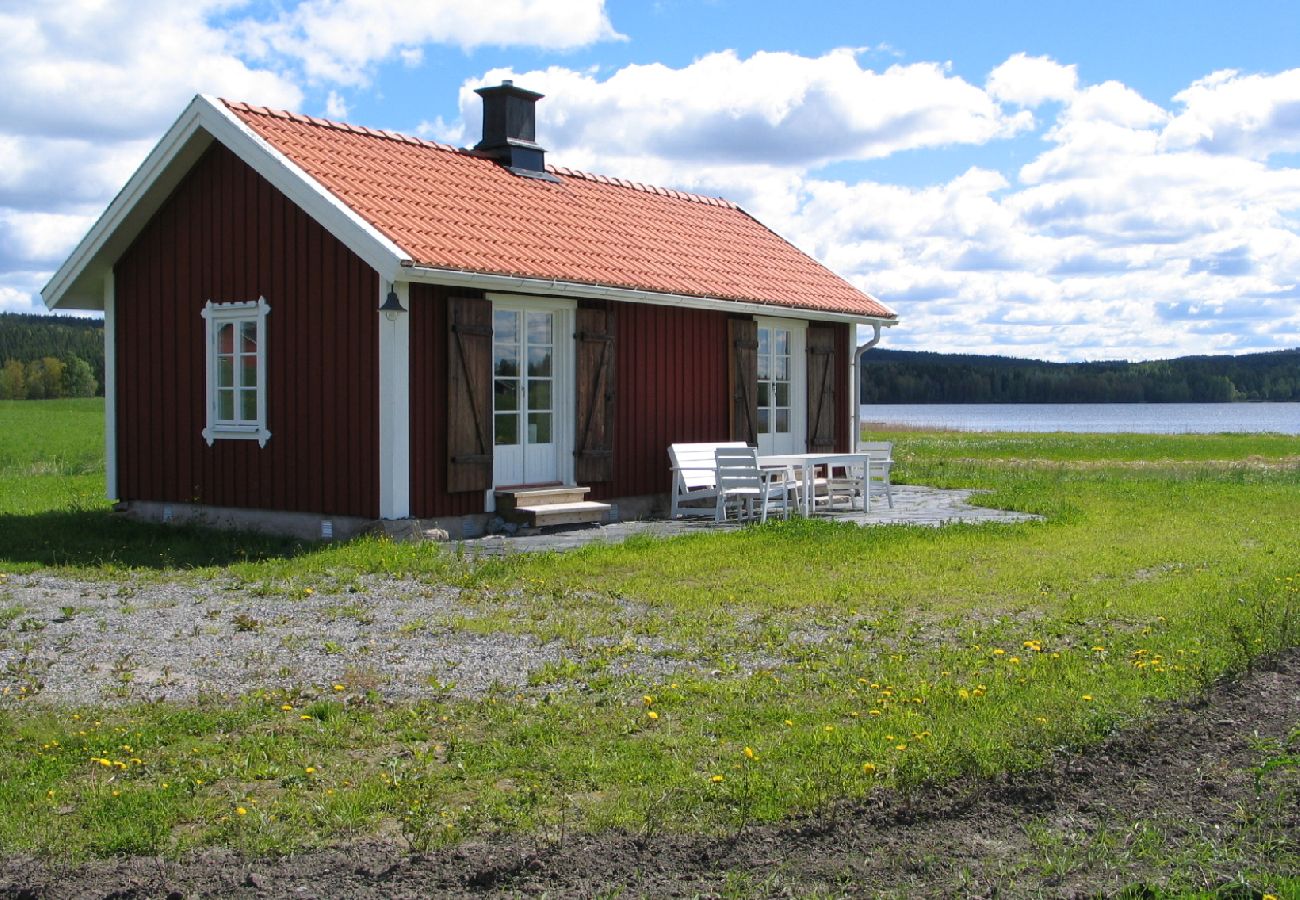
(29, 340)
(904, 376)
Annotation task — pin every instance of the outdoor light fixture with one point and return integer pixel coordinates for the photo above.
(392, 306)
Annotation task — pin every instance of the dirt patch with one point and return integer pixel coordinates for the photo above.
(1172, 804)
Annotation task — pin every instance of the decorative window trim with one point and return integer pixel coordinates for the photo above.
(215, 315)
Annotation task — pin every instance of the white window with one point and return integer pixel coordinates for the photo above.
(236, 367)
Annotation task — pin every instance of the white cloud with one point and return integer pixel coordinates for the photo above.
(1230, 113)
(335, 106)
(1032, 80)
(778, 110)
(340, 41)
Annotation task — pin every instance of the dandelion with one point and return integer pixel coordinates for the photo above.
(651, 715)
(828, 728)
(900, 747)
(998, 651)
(338, 687)
(287, 707)
(868, 768)
(1015, 660)
(716, 779)
(749, 753)
(1087, 698)
(310, 770)
(648, 700)
(1041, 720)
(305, 717)
(240, 811)
(789, 723)
(1099, 649)
(963, 694)
(873, 712)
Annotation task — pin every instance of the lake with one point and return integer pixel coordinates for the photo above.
(1141, 418)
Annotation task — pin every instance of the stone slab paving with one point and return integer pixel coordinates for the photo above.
(913, 505)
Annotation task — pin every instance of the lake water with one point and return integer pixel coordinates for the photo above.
(1141, 418)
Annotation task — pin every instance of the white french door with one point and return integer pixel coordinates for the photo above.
(782, 413)
(531, 388)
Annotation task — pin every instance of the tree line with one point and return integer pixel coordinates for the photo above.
(45, 357)
(904, 376)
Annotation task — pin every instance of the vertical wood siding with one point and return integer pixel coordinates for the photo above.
(226, 235)
(428, 397)
(672, 387)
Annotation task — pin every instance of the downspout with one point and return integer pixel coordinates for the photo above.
(857, 382)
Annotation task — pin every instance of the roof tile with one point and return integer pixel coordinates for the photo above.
(449, 208)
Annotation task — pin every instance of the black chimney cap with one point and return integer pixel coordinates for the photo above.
(510, 130)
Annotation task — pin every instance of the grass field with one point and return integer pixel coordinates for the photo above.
(798, 663)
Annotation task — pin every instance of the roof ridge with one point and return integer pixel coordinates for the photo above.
(382, 134)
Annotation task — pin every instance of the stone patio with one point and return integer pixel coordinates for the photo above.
(913, 505)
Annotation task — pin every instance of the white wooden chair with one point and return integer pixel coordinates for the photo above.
(750, 490)
(694, 477)
(847, 482)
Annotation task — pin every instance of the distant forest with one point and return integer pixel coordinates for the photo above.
(50, 356)
(901, 376)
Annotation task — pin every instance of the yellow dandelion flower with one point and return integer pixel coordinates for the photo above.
(789, 723)
(998, 651)
(338, 687)
(963, 693)
(868, 768)
(1099, 649)
(749, 753)
(648, 700)
(310, 770)
(1041, 720)
(651, 714)
(900, 747)
(828, 728)
(305, 717)
(716, 779)
(1015, 660)
(873, 712)
(240, 811)
(286, 706)
(1087, 697)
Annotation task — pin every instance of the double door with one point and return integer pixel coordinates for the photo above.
(531, 393)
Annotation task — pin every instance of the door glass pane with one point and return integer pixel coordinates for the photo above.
(539, 428)
(782, 341)
(539, 361)
(782, 372)
(762, 420)
(764, 342)
(226, 405)
(248, 405)
(539, 394)
(507, 429)
(764, 368)
(506, 395)
(782, 393)
(505, 360)
(539, 328)
(783, 421)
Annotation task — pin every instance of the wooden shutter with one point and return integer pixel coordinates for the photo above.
(593, 453)
(469, 394)
(743, 340)
(822, 404)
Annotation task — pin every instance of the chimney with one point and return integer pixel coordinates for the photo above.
(510, 130)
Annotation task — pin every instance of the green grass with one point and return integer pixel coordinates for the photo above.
(844, 659)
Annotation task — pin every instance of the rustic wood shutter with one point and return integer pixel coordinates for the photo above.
(593, 453)
(743, 340)
(469, 394)
(822, 393)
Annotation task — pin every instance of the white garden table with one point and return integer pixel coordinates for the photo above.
(809, 463)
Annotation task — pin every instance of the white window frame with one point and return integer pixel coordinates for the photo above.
(216, 315)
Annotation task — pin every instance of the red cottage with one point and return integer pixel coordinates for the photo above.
(313, 325)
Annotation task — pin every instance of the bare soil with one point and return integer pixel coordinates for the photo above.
(1172, 805)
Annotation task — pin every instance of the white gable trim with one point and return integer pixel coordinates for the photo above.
(78, 282)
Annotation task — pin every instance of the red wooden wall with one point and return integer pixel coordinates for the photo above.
(225, 235)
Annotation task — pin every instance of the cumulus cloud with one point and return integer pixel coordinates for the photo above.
(1247, 115)
(771, 109)
(1031, 81)
(340, 40)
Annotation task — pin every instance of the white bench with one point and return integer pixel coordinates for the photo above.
(695, 477)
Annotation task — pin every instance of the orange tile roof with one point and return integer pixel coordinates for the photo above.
(449, 209)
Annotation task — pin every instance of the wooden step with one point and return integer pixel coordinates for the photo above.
(510, 499)
(583, 512)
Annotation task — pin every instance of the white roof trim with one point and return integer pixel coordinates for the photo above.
(522, 285)
(77, 284)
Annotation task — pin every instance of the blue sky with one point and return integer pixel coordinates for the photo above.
(1093, 180)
